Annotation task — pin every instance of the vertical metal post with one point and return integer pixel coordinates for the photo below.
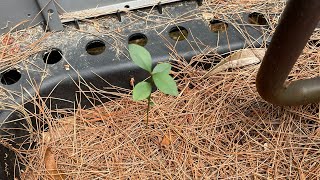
(50, 15)
(296, 25)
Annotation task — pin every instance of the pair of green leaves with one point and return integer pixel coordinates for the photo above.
(160, 74)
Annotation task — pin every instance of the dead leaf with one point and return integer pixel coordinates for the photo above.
(301, 174)
(132, 82)
(207, 16)
(7, 40)
(3, 54)
(14, 50)
(51, 166)
(66, 127)
(238, 59)
(165, 141)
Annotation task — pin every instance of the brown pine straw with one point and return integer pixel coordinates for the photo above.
(218, 127)
(17, 47)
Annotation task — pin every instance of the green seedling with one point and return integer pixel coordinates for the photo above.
(159, 76)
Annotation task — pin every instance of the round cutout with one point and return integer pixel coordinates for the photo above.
(50, 11)
(314, 43)
(53, 56)
(178, 33)
(10, 77)
(95, 47)
(138, 38)
(127, 6)
(218, 26)
(257, 18)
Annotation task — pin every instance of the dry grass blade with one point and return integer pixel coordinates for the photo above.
(51, 166)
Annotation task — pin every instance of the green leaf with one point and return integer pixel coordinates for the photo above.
(141, 91)
(140, 56)
(165, 83)
(163, 67)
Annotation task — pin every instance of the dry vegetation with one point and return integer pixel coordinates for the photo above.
(217, 128)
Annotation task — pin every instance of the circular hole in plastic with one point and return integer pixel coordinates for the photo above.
(218, 26)
(29, 15)
(53, 56)
(138, 38)
(314, 43)
(257, 18)
(95, 47)
(10, 77)
(178, 33)
(50, 11)
(126, 6)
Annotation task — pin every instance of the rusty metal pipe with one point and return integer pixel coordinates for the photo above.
(296, 25)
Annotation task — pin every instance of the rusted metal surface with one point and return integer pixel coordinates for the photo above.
(21, 14)
(297, 23)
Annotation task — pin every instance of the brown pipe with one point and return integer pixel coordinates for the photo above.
(296, 25)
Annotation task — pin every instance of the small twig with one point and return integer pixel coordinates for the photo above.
(148, 109)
